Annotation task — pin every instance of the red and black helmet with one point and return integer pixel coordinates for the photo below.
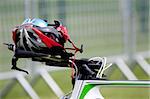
(36, 35)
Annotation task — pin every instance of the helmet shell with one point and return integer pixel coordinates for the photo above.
(35, 35)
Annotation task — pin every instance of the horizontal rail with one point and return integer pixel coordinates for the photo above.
(131, 83)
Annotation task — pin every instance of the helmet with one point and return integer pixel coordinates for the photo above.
(35, 35)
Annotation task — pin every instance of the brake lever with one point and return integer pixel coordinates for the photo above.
(14, 65)
(16, 68)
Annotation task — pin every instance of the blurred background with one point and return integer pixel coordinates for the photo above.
(104, 27)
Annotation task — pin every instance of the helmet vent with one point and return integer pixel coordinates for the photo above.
(25, 44)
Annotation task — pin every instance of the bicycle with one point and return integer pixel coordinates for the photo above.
(87, 74)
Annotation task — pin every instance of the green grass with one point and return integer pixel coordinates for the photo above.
(115, 74)
(2, 83)
(148, 60)
(125, 93)
(138, 71)
(63, 78)
(16, 92)
(43, 90)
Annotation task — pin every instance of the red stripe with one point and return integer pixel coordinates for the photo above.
(64, 32)
(46, 40)
(14, 34)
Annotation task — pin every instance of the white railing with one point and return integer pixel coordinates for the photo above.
(43, 72)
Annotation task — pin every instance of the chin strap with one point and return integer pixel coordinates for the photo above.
(74, 57)
(75, 48)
